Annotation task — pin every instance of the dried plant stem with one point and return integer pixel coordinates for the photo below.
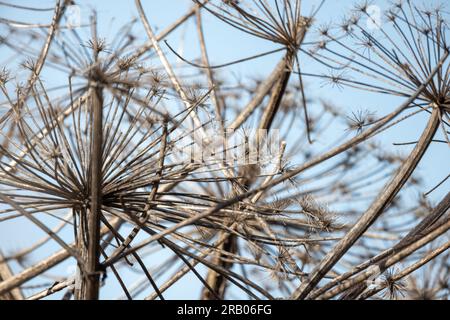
(58, 13)
(215, 280)
(375, 210)
(55, 288)
(44, 51)
(89, 289)
(261, 92)
(34, 271)
(173, 79)
(228, 243)
(209, 72)
(152, 197)
(59, 10)
(142, 50)
(42, 266)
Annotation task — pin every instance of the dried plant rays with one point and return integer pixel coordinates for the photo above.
(57, 170)
(281, 22)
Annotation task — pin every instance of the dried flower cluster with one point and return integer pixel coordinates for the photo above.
(114, 166)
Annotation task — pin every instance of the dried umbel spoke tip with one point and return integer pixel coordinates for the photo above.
(285, 266)
(126, 63)
(395, 59)
(359, 120)
(4, 75)
(318, 215)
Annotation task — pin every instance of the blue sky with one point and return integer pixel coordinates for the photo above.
(226, 44)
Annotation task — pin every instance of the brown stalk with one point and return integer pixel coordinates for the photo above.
(375, 210)
(44, 265)
(55, 288)
(216, 280)
(168, 68)
(209, 72)
(18, 279)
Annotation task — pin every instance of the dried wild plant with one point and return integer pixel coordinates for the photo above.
(114, 167)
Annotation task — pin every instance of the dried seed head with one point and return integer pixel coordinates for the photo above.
(318, 215)
(358, 120)
(324, 30)
(362, 7)
(4, 76)
(195, 94)
(29, 64)
(97, 45)
(394, 288)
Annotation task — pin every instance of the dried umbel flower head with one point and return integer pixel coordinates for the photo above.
(280, 21)
(103, 155)
(116, 64)
(57, 165)
(396, 58)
